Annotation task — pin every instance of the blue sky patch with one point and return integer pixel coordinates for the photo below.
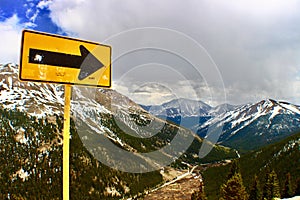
(28, 12)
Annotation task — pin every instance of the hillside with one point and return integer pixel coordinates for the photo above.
(31, 163)
(283, 157)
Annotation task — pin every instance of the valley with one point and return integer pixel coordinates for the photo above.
(181, 187)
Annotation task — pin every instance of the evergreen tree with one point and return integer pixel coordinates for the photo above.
(255, 193)
(271, 188)
(200, 194)
(234, 189)
(267, 185)
(287, 190)
(234, 168)
(297, 189)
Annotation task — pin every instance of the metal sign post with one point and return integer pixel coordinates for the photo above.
(66, 143)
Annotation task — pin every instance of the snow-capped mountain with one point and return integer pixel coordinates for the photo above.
(187, 108)
(102, 111)
(254, 125)
(245, 127)
(187, 113)
(180, 107)
(222, 108)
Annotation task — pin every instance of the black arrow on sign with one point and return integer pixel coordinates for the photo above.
(86, 62)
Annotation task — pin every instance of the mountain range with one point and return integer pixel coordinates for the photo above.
(104, 124)
(244, 127)
(186, 112)
(93, 109)
(32, 118)
(187, 108)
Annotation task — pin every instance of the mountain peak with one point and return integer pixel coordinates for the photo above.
(222, 108)
(265, 105)
(269, 102)
(180, 107)
(185, 101)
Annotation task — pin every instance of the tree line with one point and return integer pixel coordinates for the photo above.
(234, 189)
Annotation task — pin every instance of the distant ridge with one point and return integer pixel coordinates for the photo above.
(245, 127)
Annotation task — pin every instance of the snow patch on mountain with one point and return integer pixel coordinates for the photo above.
(35, 98)
(292, 198)
(276, 110)
(291, 145)
(290, 107)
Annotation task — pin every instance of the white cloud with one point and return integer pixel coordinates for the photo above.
(28, 12)
(10, 31)
(43, 4)
(147, 93)
(157, 93)
(261, 8)
(34, 16)
(97, 20)
(11, 35)
(255, 43)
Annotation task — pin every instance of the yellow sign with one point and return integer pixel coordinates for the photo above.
(57, 59)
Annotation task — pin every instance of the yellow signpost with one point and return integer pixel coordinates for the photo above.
(66, 144)
(52, 58)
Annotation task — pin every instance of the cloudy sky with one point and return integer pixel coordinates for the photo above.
(235, 51)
